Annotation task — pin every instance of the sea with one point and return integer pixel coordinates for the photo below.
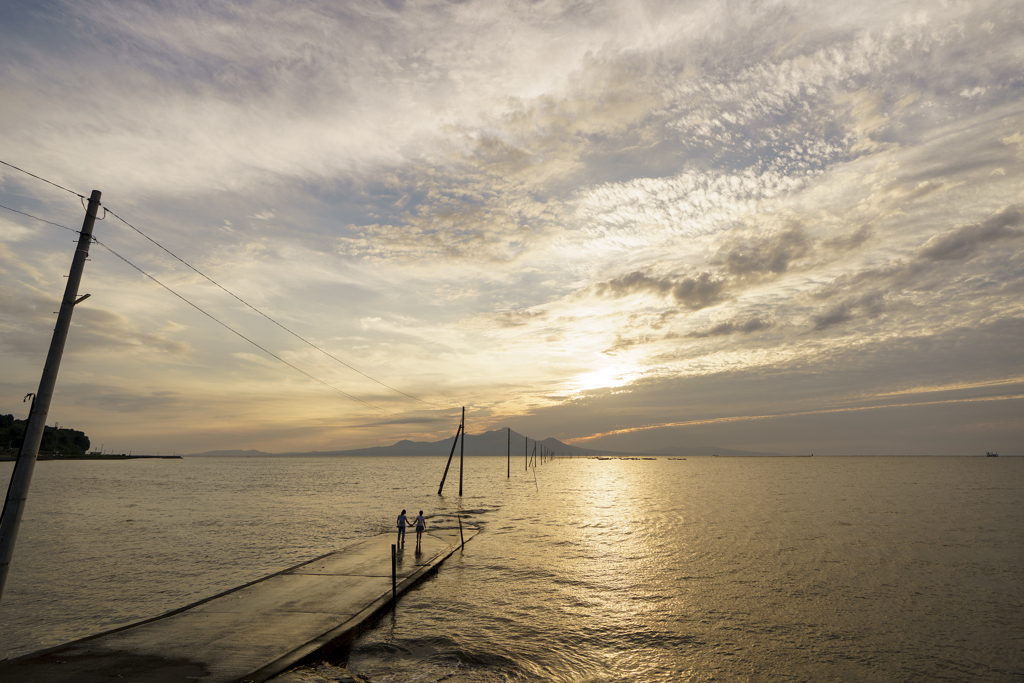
(584, 570)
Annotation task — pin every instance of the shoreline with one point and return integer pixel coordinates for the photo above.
(14, 458)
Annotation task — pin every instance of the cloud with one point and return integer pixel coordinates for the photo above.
(27, 314)
(734, 326)
(693, 292)
(851, 240)
(699, 291)
(106, 330)
(518, 318)
(865, 306)
(1015, 140)
(649, 213)
(622, 343)
(124, 400)
(764, 254)
(962, 242)
(446, 419)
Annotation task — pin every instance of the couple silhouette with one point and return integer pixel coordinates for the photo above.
(403, 522)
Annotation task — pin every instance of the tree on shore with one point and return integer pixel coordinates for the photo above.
(64, 441)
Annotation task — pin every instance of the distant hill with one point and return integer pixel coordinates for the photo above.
(493, 442)
(489, 443)
(251, 452)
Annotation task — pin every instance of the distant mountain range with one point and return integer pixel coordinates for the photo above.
(494, 442)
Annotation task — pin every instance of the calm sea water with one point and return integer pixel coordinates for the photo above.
(773, 569)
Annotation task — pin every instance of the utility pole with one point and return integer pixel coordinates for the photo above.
(450, 455)
(21, 478)
(462, 447)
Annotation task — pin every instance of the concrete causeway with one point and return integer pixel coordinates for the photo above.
(250, 633)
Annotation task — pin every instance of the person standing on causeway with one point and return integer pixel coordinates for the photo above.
(402, 521)
(421, 524)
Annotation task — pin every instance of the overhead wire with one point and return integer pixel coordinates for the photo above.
(77, 232)
(247, 304)
(43, 179)
(225, 325)
(236, 332)
(212, 317)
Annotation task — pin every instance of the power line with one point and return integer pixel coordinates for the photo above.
(236, 332)
(211, 316)
(43, 179)
(246, 303)
(261, 348)
(211, 281)
(40, 219)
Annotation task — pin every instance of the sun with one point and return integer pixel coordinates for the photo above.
(610, 377)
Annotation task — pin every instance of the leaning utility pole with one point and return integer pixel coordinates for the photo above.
(450, 455)
(17, 492)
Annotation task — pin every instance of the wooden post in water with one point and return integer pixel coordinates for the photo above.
(450, 455)
(394, 572)
(526, 452)
(462, 447)
(509, 453)
(461, 538)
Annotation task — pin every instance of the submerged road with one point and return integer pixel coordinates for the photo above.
(250, 633)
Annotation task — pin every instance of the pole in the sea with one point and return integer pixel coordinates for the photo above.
(21, 477)
(461, 537)
(462, 447)
(394, 572)
(450, 455)
(508, 448)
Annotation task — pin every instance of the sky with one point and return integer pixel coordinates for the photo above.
(782, 226)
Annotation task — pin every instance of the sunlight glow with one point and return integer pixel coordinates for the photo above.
(611, 377)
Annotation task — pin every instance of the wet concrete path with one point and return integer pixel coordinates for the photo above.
(250, 633)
